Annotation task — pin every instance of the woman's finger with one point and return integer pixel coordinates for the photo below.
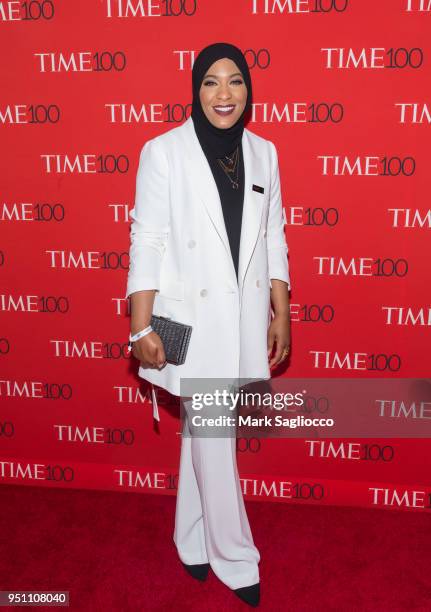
(285, 353)
(270, 343)
(279, 356)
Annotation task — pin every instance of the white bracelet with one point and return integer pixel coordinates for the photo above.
(137, 336)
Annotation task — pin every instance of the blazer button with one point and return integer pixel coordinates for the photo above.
(264, 233)
(203, 292)
(191, 244)
(258, 283)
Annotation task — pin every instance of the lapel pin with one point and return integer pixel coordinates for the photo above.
(258, 188)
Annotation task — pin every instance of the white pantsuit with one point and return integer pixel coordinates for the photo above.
(180, 248)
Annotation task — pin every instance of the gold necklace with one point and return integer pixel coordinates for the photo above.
(232, 169)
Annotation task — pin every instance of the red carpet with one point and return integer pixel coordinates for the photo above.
(114, 551)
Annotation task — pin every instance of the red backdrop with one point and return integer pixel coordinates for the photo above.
(342, 88)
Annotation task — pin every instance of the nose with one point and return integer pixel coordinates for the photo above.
(223, 92)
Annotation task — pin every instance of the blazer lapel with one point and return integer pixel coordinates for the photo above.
(253, 207)
(202, 178)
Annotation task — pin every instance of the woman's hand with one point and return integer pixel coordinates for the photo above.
(149, 351)
(279, 330)
(279, 333)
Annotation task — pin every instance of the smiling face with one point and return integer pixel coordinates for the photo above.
(223, 93)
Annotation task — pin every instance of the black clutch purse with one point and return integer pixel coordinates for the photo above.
(175, 337)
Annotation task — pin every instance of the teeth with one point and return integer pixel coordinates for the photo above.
(224, 109)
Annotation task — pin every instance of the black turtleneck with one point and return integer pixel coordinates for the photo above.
(232, 201)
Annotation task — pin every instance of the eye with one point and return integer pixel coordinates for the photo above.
(210, 82)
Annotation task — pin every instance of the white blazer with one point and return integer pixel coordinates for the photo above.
(179, 246)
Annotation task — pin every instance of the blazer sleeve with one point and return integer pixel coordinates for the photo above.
(150, 225)
(277, 246)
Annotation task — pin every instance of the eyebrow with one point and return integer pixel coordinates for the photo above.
(216, 77)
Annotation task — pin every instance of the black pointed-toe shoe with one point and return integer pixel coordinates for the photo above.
(199, 571)
(249, 594)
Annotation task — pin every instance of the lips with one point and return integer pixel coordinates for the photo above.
(224, 110)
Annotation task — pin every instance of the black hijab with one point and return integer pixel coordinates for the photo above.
(218, 142)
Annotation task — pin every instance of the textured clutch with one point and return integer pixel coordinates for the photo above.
(175, 337)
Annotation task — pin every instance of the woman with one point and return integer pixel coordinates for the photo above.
(208, 249)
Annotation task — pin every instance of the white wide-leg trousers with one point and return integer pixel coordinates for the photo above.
(211, 524)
